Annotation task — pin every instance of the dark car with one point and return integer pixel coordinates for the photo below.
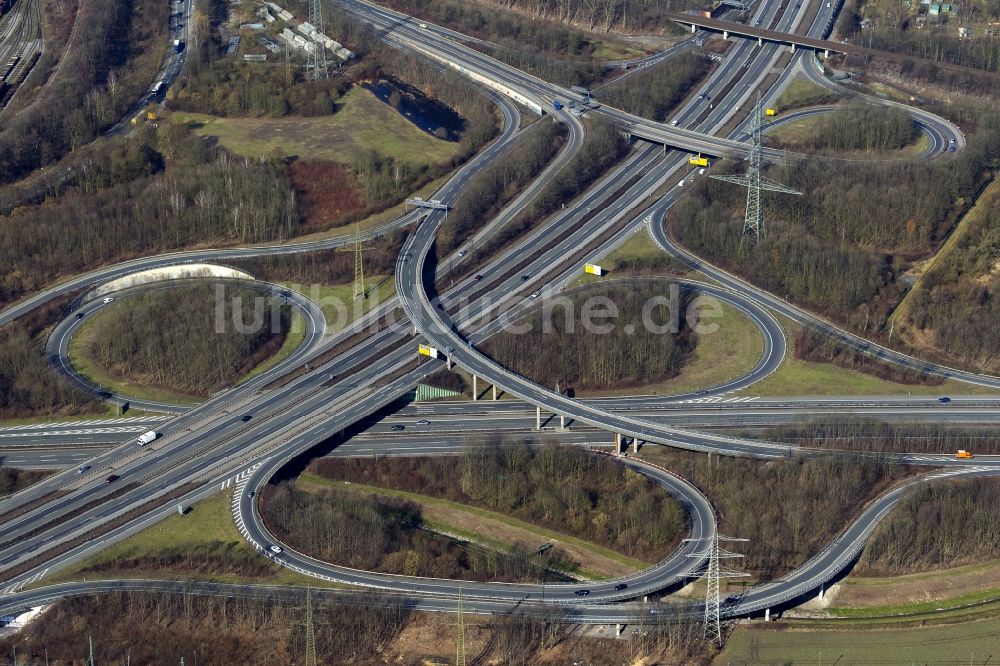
(398, 427)
(525, 277)
(582, 593)
(620, 586)
(83, 469)
(478, 278)
(246, 417)
(79, 315)
(944, 399)
(111, 479)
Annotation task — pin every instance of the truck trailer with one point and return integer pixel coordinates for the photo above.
(147, 437)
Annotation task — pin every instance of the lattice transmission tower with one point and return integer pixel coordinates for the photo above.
(460, 658)
(310, 631)
(713, 572)
(754, 181)
(359, 262)
(316, 65)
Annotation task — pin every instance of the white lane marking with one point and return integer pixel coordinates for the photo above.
(97, 422)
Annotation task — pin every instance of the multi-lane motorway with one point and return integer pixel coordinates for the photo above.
(204, 449)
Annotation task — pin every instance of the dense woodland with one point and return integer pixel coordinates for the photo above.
(775, 504)
(559, 350)
(957, 302)
(112, 61)
(979, 53)
(199, 195)
(497, 184)
(654, 92)
(185, 340)
(28, 386)
(940, 525)
(597, 15)
(374, 533)
(560, 488)
(840, 248)
(859, 127)
(155, 628)
(364, 629)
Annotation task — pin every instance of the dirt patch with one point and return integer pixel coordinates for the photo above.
(469, 522)
(328, 193)
(916, 588)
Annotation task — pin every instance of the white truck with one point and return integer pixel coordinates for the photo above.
(147, 437)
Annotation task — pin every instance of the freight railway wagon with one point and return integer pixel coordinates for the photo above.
(5, 72)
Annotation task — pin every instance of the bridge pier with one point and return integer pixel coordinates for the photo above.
(822, 592)
(767, 615)
(635, 446)
(619, 628)
(562, 422)
(725, 34)
(693, 29)
(826, 53)
(538, 418)
(475, 388)
(494, 391)
(760, 41)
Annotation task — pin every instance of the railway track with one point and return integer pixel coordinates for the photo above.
(20, 46)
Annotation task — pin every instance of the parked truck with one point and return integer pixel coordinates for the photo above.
(147, 437)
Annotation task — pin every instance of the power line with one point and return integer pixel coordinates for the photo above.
(755, 183)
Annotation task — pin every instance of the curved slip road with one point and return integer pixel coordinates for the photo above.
(57, 345)
(673, 569)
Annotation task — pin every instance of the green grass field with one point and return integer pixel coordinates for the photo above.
(208, 524)
(975, 642)
(338, 303)
(796, 378)
(803, 92)
(361, 123)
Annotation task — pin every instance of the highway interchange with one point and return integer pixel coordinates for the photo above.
(204, 449)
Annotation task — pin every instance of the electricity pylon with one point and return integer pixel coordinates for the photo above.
(713, 625)
(359, 263)
(310, 631)
(316, 66)
(460, 659)
(754, 181)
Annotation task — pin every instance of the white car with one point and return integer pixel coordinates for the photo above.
(107, 299)
(673, 123)
(276, 550)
